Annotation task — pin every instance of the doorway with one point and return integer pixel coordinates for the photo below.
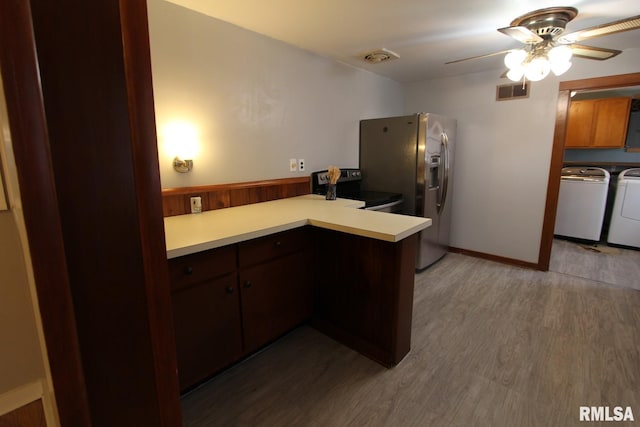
(557, 156)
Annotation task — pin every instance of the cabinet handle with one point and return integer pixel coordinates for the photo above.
(277, 244)
(230, 289)
(247, 284)
(188, 271)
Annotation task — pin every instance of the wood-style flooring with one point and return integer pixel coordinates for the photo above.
(492, 345)
(608, 264)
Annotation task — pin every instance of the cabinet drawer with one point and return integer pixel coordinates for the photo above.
(195, 268)
(269, 247)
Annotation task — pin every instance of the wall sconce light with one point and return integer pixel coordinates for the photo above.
(182, 166)
(181, 142)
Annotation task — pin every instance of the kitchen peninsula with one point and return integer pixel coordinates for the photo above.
(243, 276)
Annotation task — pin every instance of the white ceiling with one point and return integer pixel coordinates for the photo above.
(425, 33)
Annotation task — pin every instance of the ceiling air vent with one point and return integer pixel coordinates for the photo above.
(378, 56)
(512, 91)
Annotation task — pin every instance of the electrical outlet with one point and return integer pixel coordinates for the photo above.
(293, 165)
(301, 165)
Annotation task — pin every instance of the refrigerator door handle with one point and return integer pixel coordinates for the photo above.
(444, 143)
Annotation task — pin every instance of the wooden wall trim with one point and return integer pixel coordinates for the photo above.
(176, 201)
(144, 146)
(553, 182)
(496, 258)
(237, 185)
(606, 82)
(557, 151)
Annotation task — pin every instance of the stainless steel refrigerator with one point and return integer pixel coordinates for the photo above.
(413, 155)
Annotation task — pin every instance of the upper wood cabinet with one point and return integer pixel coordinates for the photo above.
(598, 123)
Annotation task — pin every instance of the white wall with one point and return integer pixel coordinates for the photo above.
(503, 153)
(254, 101)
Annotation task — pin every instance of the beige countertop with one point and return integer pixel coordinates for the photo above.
(187, 234)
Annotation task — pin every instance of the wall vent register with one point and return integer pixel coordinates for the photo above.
(512, 91)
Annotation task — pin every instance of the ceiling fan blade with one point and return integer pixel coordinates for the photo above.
(631, 23)
(522, 34)
(590, 52)
(479, 56)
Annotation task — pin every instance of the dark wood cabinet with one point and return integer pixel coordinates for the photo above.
(207, 328)
(277, 296)
(230, 301)
(206, 313)
(364, 293)
(277, 290)
(276, 245)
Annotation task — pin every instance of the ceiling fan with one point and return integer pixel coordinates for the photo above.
(548, 48)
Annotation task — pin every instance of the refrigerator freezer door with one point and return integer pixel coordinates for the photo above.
(388, 157)
(434, 241)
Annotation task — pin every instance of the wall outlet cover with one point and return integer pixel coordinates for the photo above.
(301, 165)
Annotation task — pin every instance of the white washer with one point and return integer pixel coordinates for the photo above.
(624, 228)
(582, 202)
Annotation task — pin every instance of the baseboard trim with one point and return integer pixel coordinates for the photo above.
(19, 397)
(496, 258)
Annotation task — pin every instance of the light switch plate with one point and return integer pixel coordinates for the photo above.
(293, 165)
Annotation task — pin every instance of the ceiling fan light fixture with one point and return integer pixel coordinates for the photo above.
(559, 68)
(537, 69)
(515, 74)
(515, 58)
(560, 54)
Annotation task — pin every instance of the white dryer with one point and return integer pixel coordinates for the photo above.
(582, 202)
(624, 228)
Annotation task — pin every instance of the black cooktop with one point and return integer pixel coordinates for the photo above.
(348, 187)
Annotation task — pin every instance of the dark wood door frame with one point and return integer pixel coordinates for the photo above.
(557, 154)
(27, 122)
(77, 80)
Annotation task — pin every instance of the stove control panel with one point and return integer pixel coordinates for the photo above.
(346, 175)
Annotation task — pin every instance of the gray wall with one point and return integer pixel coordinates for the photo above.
(616, 156)
(503, 153)
(255, 102)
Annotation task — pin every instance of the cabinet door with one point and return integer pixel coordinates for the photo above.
(276, 297)
(207, 327)
(579, 124)
(612, 118)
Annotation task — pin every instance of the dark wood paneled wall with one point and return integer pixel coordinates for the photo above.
(177, 201)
